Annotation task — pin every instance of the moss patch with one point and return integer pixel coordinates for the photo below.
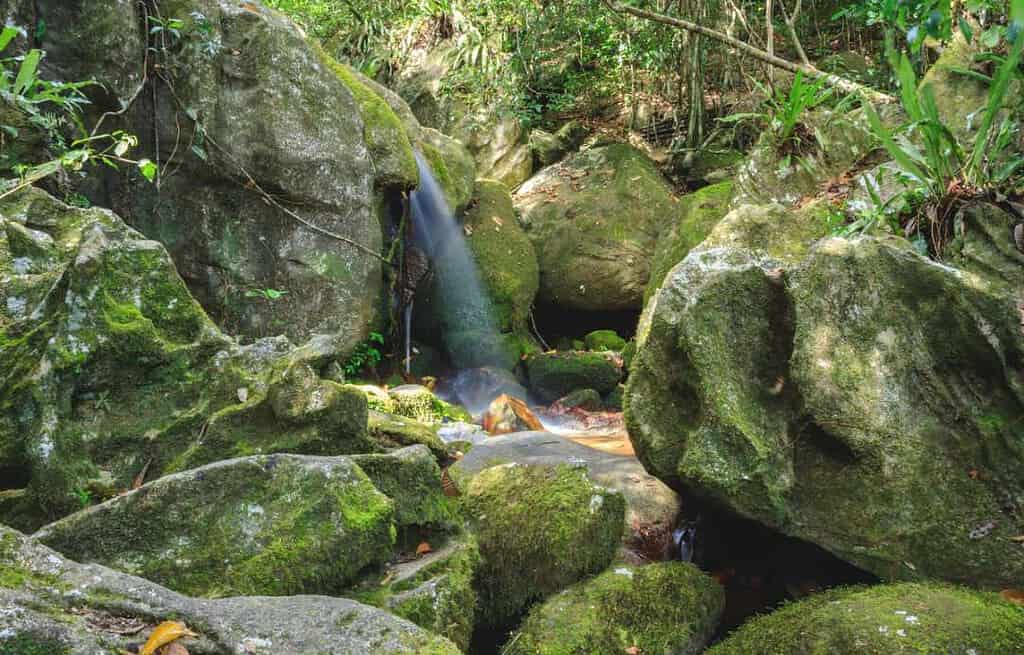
(553, 375)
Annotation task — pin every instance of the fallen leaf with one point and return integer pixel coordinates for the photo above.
(497, 221)
(164, 634)
(250, 7)
(1015, 596)
(973, 474)
(140, 479)
(633, 650)
(1019, 539)
(423, 548)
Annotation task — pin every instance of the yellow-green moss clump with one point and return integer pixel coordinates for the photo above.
(540, 529)
(412, 479)
(698, 213)
(504, 255)
(604, 341)
(671, 607)
(271, 525)
(553, 375)
(888, 620)
(385, 135)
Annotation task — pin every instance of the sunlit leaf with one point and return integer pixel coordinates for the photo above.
(164, 634)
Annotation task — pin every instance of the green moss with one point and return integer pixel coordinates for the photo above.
(660, 608)
(889, 620)
(412, 479)
(504, 254)
(29, 644)
(539, 529)
(383, 131)
(391, 431)
(698, 214)
(604, 340)
(553, 375)
(273, 525)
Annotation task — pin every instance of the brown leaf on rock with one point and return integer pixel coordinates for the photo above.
(423, 548)
(165, 633)
(1015, 596)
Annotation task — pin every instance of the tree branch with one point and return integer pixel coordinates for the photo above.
(841, 83)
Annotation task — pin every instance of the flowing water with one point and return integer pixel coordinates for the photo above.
(460, 302)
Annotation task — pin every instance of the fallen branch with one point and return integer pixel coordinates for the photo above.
(841, 83)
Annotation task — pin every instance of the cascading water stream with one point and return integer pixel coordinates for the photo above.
(464, 310)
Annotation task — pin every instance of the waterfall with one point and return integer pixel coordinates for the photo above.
(463, 308)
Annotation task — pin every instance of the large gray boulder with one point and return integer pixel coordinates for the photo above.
(271, 525)
(859, 396)
(53, 605)
(594, 219)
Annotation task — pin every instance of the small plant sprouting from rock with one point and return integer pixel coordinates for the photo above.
(366, 355)
(266, 294)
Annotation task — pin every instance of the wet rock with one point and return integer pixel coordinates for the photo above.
(584, 399)
(553, 375)
(53, 605)
(540, 528)
(268, 525)
(670, 607)
(594, 219)
(476, 388)
(506, 414)
(896, 618)
(650, 504)
(831, 397)
(462, 433)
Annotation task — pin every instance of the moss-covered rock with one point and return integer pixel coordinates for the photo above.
(412, 479)
(392, 431)
(699, 212)
(896, 619)
(774, 174)
(496, 141)
(553, 375)
(55, 606)
(272, 525)
(594, 219)
(771, 231)
(540, 529)
(434, 591)
(418, 402)
(604, 340)
(671, 607)
(452, 165)
(958, 95)
(504, 254)
(110, 368)
(586, 399)
(831, 396)
(985, 245)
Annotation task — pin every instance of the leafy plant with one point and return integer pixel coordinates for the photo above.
(366, 354)
(83, 496)
(266, 294)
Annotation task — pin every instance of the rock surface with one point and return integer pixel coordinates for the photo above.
(553, 375)
(540, 528)
(271, 525)
(55, 606)
(594, 219)
(649, 502)
(831, 399)
(412, 479)
(670, 607)
(898, 619)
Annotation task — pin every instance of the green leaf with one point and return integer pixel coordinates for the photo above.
(7, 35)
(895, 151)
(27, 73)
(965, 29)
(199, 151)
(148, 169)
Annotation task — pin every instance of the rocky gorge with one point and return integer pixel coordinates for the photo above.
(244, 393)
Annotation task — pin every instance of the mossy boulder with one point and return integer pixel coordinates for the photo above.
(830, 397)
(553, 375)
(275, 525)
(958, 95)
(110, 368)
(452, 165)
(603, 341)
(897, 619)
(392, 431)
(774, 173)
(594, 219)
(585, 399)
(412, 479)
(540, 529)
(418, 402)
(497, 144)
(670, 607)
(504, 254)
(772, 230)
(434, 591)
(698, 214)
(54, 606)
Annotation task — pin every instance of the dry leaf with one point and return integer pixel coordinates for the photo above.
(1019, 539)
(1015, 596)
(633, 650)
(423, 548)
(973, 474)
(497, 221)
(164, 634)
(140, 479)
